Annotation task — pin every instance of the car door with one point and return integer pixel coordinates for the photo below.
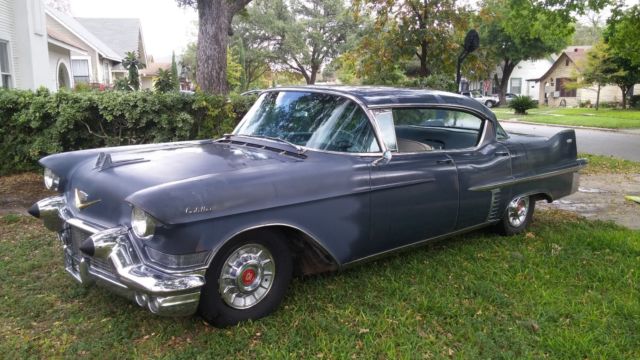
(414, 195)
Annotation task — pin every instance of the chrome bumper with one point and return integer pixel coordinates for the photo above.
(115, 263)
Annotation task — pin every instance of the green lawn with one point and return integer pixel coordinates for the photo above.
(568, 289)
(599, 164)
(604, 118)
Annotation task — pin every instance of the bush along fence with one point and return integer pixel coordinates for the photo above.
(35, 124)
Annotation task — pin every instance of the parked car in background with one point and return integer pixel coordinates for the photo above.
(488, 101)
(313, 179)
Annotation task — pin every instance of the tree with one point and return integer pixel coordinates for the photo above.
(516, 30)
(214, 24)
(426, 29)
(132, 63)
(598, 69)
(589, 30)
(304, 35)
(175, 80)
(253, 45)
(622, 36)
(165, 81)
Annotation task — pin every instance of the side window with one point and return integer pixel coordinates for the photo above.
(420, 129)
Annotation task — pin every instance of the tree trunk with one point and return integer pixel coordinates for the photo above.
(215, 18)
(624, 96)
(598, 97)
(424, 68)
(507, 69)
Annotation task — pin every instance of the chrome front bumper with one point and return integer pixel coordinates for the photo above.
(115, 263)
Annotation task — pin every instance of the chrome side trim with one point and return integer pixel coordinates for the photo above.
(215, 251)
(415, 244)
(499, 184)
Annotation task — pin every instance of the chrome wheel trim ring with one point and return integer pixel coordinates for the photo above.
(517, 211)
(246, 276)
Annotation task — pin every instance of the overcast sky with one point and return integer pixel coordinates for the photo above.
(165, 26)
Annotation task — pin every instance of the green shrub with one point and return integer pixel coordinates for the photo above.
(35, 124)
(520, 104)
(635, 102)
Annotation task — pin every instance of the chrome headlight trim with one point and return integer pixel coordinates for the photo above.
(142, 224)
(51, 180)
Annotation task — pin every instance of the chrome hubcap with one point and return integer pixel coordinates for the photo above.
(517, 211)
(247, 276)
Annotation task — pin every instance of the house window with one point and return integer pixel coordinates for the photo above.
(561, 86)
(105, 72)
(516, 85)
(80, 70)
(5, 72)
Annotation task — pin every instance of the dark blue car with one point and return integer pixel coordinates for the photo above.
(313, 179)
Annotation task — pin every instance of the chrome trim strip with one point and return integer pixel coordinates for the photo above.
(82, 225)
(499, 184)
(415, 244)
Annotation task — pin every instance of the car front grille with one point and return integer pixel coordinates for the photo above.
(78, 236)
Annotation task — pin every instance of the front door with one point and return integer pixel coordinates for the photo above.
(413, 197)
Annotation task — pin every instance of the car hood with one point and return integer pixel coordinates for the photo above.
(112, 177)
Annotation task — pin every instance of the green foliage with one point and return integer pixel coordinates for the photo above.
(174, 73)
(302, 35)
(442, 82)
(35, 124)
(520, 104)
(122, 84)
(165, 81)
(132, 63)
(635, 102)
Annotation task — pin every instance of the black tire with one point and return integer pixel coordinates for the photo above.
(489, 104)
(216, 310)
(507, 227)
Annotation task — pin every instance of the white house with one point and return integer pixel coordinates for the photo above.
(523, 79)
(30, 56)
(40, 46)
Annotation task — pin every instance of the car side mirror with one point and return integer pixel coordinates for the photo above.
(386, 157)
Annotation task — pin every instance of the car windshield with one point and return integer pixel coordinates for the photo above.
(313, 120)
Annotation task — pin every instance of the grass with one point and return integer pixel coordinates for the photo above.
(569, 288)
(603, 118)
(599, 165)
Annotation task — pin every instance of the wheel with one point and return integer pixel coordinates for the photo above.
(488, 103)
(246, 280)
(517, 216)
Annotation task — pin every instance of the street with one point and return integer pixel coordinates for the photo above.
(625, 145)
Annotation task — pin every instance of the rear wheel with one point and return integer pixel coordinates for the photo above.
(517, 216)
(246, 280)
(489, 104)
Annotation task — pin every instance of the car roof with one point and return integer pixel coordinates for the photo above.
(381, 96)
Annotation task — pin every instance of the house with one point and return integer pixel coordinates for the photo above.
(40, 46)
(94, 66)
(555, 88)
(120, 34)
(149, 73)
(523, 79)
(33, 54)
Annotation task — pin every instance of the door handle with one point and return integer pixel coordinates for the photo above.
(445, 161)
(502, 153)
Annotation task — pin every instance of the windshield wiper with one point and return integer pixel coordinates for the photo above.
(298, 148)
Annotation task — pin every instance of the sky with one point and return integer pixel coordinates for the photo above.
(166, 27)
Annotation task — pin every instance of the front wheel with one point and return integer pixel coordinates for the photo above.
(517, 216)
(246, 280)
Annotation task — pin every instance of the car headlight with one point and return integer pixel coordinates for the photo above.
(143, 224)
(51, 180)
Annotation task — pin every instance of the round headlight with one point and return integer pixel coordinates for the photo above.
(51, 180)
(142, 223)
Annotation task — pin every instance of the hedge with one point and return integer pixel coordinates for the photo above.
(35, 124)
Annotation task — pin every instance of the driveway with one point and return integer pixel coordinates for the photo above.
(622, 144)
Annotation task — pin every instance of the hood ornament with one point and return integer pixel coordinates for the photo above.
(82, 199)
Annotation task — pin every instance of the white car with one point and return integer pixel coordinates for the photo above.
(488, 101)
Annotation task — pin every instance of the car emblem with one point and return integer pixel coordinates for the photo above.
(82, 200)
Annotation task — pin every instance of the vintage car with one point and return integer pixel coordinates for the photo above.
(313, 179)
